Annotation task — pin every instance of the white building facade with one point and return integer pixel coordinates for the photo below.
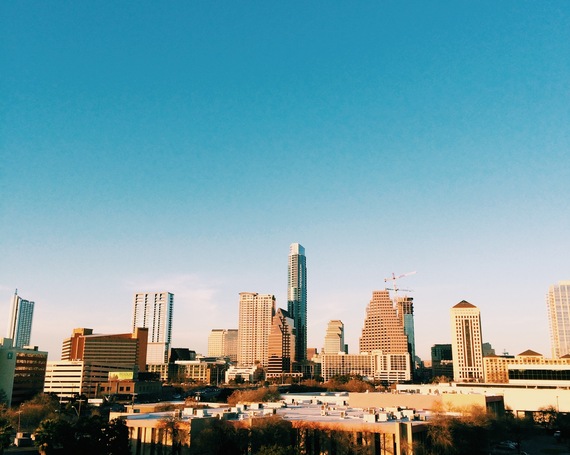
(255, 317)
(558, 304)
(466, 343)
(154, 311)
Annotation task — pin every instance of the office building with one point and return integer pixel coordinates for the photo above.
(70, 378)
(383, 328)
(442, 361)
(223, 343)
(124, 349)
(558, 303)
(281, 345)
(297, 298)
(255, 318)
(22, 372)
(466, 343)
(374, 365)
(527, 368)
(154, 312)
(334, 338)
(21, 321)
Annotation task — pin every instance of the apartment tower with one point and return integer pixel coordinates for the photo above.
(466, 343)
(405, 306)
(334, 337)
(20, 329)
(255, 317)
(297, 298)
(154, 312)
(383, 328)
(558, 303)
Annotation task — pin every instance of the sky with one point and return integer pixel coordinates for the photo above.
(183, 146)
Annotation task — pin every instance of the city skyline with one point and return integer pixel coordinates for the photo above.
(184, 148)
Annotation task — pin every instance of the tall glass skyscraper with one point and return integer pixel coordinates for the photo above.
(558, 302)
(153, 311)
(21, 321)
(297, 298)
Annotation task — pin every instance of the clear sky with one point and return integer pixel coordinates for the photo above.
(183, 146)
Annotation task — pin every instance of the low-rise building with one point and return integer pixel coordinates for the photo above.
(528, 367)
(68, 379)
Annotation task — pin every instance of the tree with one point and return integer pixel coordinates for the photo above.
(53, 434)
(5, 434)
(116, 438)
(178, 435)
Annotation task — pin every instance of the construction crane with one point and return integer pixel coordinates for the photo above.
(394, 279)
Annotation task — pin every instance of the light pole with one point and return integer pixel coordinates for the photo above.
(19, 417)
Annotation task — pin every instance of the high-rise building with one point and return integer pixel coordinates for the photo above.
(154, 312)
(442, 361)
(124, 349)
(558, 302)
(466, 343)
(223, 343)
(297, 298)
(255, 317)
(405, 306)
(22, 372)
(334, 337)
(281, 344)
(383, 328)
(21, 321)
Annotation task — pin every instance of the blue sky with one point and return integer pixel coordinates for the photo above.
(183, 147)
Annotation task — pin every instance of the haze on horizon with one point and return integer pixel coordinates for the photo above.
(184, 148)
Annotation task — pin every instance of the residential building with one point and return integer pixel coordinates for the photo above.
(124, 349)
(442, 361)
(22, 372)
(383, 328)
(405, 307)
(558, 303)
(334, 338)
(154, 312)
(21, 321)
(255, 317)
(281, 345)
(223, 343)
(466, 343)
(297, 298)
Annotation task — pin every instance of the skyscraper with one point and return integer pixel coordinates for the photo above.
(281, 344)
(558, 303)
(223, 343)
(21, 321)
(466, 343)
(154, 312)
(297, 298)
(334, 337)
(383, 329)
(405, 307)
(255, 317)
